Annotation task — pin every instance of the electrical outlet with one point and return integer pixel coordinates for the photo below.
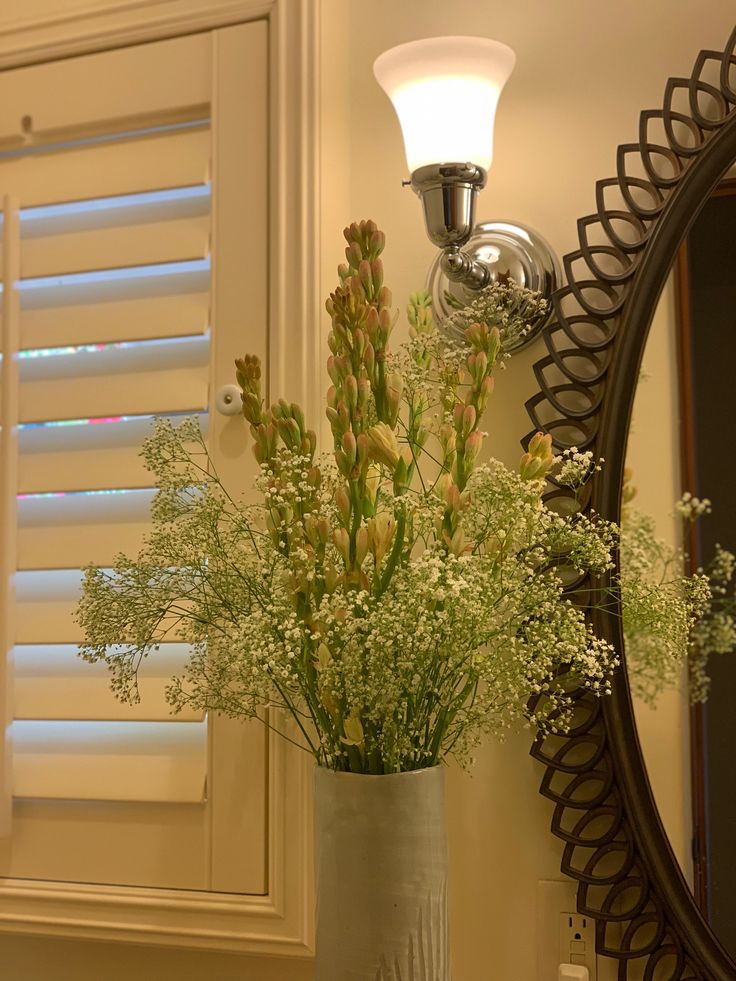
(556, 899)
(577, 941)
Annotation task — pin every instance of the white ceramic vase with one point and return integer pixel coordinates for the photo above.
(381, 865)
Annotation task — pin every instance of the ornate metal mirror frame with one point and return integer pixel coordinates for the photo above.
(615, 844)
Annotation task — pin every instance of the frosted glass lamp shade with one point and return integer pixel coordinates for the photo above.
(445, 91)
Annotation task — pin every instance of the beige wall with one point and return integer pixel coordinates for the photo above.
(584, 71)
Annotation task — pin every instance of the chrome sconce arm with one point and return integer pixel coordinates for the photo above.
(459, 267)
(475, 256)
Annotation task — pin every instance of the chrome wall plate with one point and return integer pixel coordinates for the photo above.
(509, 250)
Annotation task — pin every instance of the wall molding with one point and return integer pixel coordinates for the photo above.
(281, 921)
(101, 26)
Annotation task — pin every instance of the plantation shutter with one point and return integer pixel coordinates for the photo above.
(106, 317)
(115, 268)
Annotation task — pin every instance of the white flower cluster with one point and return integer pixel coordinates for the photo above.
(691, 508)
(575, 467)
(721, 569)
(670, 617)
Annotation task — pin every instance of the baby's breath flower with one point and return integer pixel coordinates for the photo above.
(670, 617)
(691, 508)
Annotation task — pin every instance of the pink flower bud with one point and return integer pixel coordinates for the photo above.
(310, 529)
(349, 446)
(448, 438)
(363, 447)
(457, 542)
(342, 543)
(493, 344)
(344, 415)
(377, 273)
(442, 486)
(364, 392)
(351, 392)
(366, 278)
(377, 242)
(343, 463)
(342, 501)
(372, 325)
(486, 389)
(385, 324)
(472, 446)
(369, 355)
(332, 370)
(323, 529)
(469, 418)
(353, 255)
(540, 442)
(332, 578)
(361, 544)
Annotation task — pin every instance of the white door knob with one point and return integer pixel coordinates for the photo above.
(228, 401)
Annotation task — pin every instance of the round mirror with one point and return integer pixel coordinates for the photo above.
(621, 779)
(679, 519)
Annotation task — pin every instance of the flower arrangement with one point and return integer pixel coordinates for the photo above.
(396, 597)
(671, 618)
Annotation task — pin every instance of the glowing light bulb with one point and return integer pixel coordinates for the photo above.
(445, 91)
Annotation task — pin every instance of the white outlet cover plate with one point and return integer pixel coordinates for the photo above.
(555, 897)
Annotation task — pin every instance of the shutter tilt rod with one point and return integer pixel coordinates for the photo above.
(9, 392)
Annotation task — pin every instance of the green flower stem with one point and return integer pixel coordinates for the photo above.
(395, 553)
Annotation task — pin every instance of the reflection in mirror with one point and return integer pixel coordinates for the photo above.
(680, 443)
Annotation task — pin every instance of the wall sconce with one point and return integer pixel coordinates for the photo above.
(445, 91)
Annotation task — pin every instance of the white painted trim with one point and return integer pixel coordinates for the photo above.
(295, 306)
(280, 922)
(100, 26)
